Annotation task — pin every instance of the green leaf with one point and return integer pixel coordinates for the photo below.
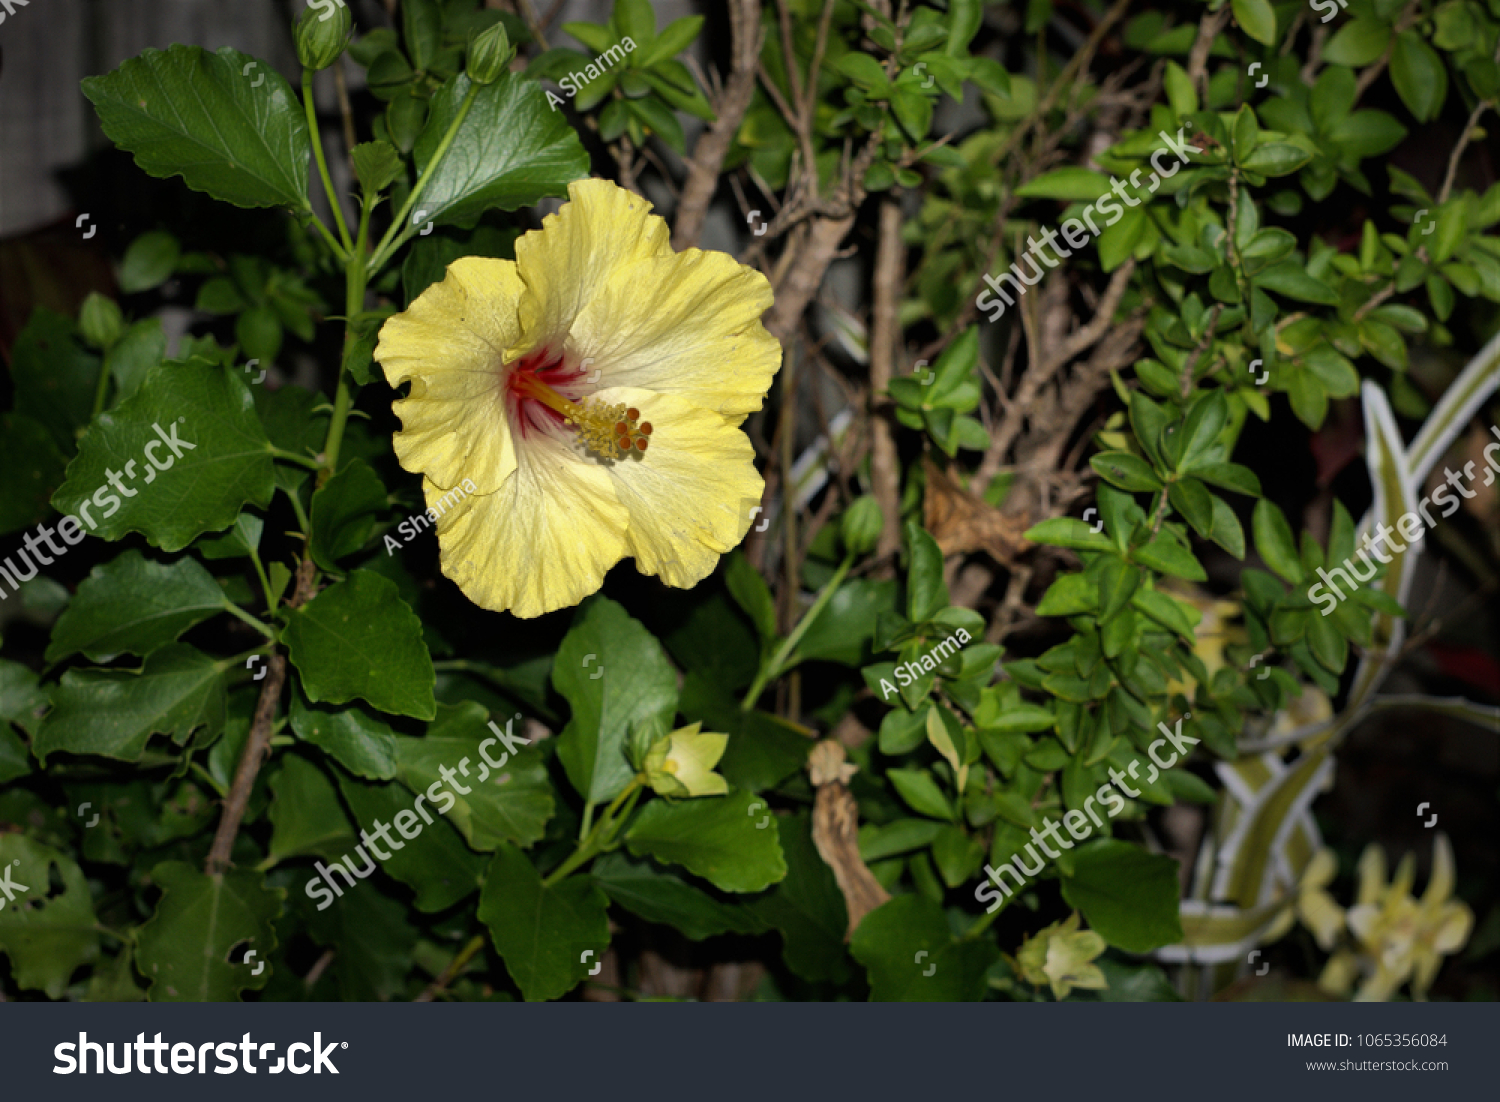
(33, 468)
(1129, 472)
(1128, 895)
(376, 164)
(542, 933)
(1166, 556)
(508, 803)
(436, 864)
(806, 907)
(143, 347)
(1273, 539)
(353, 736)
(1069, 182)
(114, 712)
(647, 890)
(211, 458)
(1277, 159)
(1358, 42)
(306, 816)
(132, 605)
(47, 933)
(1230, 476)
(511, 150)
(373, 945)
(715, 837)
(1226, 530)
(905, 938)
(921, 792)
(1419, 76)
(926, 591)
(1069, 532)
(751, 593)
(344, 511)
(1257, 19)
(1290, 278)
(184, 111)
(54, 377)
(149, 261)
(183, 949)
(614, 674)
(358, 639)
(676, 37)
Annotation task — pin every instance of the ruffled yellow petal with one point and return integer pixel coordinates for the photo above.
(1453, 928)
(689, 495)
(1322, 915)
(579, 250)
(685, 324)
(449, 343)
(543, 541)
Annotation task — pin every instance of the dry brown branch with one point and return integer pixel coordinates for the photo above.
(1209, 28)
(885, 466)
(730, 107)
(836, 832)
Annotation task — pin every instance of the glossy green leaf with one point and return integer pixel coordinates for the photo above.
(714, 837)
(1128, 895)
(184, 948)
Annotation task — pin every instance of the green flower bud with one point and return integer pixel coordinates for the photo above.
(681, 764)
(100, 321)
(322, 33)
(1061, 956)
(489, 55)
(861, 525)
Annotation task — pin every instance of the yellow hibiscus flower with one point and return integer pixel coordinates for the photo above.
(591, 392)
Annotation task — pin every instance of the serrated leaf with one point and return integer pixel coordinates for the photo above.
(714, 837)
(652, 893)
(133, 605)
(511, 150)
(911, 956)
(47, 933)
(184, 948)
(114, 712)
(613, 673)
(542, 933)
(186, 112)
(211, 456)
(358, 640)
(353, 736)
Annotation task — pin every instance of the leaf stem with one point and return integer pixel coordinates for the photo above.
(599, 837)
(391, 239)
(773, 669)
(236, 610)
(292, 457)
(317, 144)
(102, 389)
(265, 583)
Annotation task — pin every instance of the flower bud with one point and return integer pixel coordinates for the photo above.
(861, 525)
(489, 55)
(100, 321)
(321, 38)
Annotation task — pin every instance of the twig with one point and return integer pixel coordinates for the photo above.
(885, 466)
(1371, 73)
(258, 745)
(315, 973)
(713, 144)
(456, 965)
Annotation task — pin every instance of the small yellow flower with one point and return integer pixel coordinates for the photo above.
(682, 763)
(1060, 956)
(592, 391)
(1398, 937)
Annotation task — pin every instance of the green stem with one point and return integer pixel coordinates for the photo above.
(292, 457)
(236, 610)
(597, 838)
(102, 389)
(333, 242)
(210, 780)
(390, 241)
(773, 669)
(302, 521)
(265, 583)
(317, 144)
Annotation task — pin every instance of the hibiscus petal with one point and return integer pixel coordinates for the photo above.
(578, 250)
(690, 494)
(685, 324)
(543, 541)
(449, 343)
